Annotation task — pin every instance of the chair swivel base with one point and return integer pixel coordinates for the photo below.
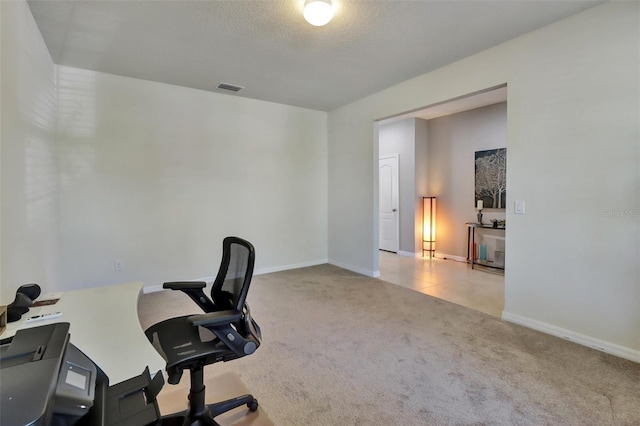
(201, 414)
(188, 418)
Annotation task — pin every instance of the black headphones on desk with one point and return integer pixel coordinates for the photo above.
(25, 295)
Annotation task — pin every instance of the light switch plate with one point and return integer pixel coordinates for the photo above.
(519, 207)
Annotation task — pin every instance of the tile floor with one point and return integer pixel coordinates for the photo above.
(446, 279)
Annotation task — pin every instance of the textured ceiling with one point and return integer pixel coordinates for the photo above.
(267, 47)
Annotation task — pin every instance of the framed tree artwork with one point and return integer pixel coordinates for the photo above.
(491, 178)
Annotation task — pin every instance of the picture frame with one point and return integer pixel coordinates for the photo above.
(491, 178)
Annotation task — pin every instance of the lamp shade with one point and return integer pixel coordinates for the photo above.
(318, 12)
(429, 225)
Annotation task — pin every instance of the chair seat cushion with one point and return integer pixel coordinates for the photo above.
(183, 345)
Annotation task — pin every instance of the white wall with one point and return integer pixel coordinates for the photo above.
(352, 198)
(156, 175)
(98, 168)
(29, 217)
(422, 180)
(453, 141)
(573, 156)
(9, 290)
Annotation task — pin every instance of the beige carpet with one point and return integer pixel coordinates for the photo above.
(343, 349)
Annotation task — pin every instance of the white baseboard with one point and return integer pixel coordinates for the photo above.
(291, 266)
(445, 256)
(151, 289)
(436, 255)
(260, 271)
(409, 254)
(572, 336)
(361, 271)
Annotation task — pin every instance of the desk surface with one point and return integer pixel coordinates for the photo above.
(105, 326)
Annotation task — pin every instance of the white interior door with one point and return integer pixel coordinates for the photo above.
(388, 202)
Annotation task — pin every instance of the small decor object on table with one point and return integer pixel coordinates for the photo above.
(479, 208)
(47, 299)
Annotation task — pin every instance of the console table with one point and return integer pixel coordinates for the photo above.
(472, 255)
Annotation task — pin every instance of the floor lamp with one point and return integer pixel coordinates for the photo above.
(429, 226)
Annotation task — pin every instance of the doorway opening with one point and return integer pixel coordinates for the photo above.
(435, 146)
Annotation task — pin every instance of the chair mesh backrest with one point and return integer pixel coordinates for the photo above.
(234, 277)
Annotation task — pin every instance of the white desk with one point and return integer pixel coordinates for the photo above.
(105, 326)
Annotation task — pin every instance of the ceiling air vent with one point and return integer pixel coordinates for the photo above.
(232, 87)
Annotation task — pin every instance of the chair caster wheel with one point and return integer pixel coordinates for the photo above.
(253, 405)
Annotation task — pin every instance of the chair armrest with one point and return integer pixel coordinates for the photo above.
(214, 319)
(184, 285)
(193, 289)
(219, 323)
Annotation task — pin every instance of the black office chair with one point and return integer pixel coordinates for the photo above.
(186, 342)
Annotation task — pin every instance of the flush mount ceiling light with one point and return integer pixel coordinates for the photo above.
(318, 12)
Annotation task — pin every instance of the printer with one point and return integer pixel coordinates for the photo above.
(46, 380)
